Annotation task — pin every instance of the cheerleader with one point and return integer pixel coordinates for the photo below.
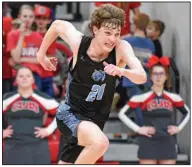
(157, 141)
(25, 138)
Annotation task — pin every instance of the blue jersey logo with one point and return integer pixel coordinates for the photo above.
(98, 75)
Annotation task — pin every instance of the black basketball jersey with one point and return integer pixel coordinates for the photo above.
(90, 90)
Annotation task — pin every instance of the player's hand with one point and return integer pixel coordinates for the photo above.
(48, 63)
(8, 132)
(41, 132)
(147, 131)
(111, 69)
(172, 130)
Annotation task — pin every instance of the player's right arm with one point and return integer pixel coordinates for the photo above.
(67, 32)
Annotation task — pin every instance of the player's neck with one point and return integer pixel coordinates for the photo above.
(95, 49)
(25, 92)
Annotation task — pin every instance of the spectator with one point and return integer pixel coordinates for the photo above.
(142, 46)
(25, 108)
(7, 61)
(157, 144)
(24, 43)
(154, 31)
(127, 7)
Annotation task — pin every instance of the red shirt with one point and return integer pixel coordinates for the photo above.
(131, 5)
(7, 69)
(31, 45)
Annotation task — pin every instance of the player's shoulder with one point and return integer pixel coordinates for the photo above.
(122, 44)
(173, 96)
(86, 38)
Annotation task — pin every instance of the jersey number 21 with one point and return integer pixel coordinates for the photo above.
(96, 93)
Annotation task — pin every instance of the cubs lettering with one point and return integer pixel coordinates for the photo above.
(25, 105)
(155, 104)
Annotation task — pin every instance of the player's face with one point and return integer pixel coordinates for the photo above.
(41, 21)
(24, 78)
(27, 16)
(107, 37)
(158, 76)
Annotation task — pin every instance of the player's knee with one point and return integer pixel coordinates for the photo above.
(62, 162)
(101, 144)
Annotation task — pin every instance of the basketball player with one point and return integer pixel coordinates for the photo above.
(96, 63)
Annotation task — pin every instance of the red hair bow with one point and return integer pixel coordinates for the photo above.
(153, 60)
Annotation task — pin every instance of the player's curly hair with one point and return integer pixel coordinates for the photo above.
(107, 15)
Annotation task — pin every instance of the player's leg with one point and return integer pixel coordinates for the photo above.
(93, 139)
(85, 133)
(147, 161)
(63, 151)
(62, 162)
(168, 162)
(69, 150)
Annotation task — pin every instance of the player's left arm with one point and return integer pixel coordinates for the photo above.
(135, 73)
